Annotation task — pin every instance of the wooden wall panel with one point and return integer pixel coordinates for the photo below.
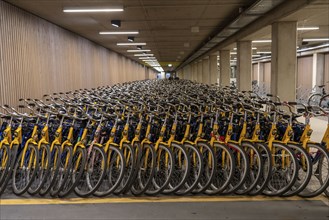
(304, 72)
(37, 57)
(326, 70)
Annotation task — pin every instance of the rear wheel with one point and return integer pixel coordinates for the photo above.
(5, 160)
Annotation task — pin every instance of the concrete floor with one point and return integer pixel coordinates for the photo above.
(162, 208)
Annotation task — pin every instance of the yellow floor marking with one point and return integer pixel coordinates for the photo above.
(34, 201)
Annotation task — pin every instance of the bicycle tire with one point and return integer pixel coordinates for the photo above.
(27, 175)
(314, 99)
(43, 171)
(209, 166)
(90, 180)
(196, 170)
(114, 172)
(129, 170)
(181, 168)
(145, 170)
(54, 170)
(8, 177)
(266, 171)
(313, 188)
(63, 172)
(275, 186)
(75, 171)
(162, 170)
(304, 171)
(222, 178)
(241, 169)
(5, 160)
(255, 171)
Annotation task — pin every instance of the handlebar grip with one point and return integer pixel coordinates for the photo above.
(269, 95)
(277, 103)
(292, 103)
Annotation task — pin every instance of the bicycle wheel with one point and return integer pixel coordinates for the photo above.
(145, 170)
(181, 168)
(163, 171)
(320, 173)
(75, 171)
(93, 174)
(209, 165)
(5, 160)
(43, 171)
(54, 170)
(266, 170)
(25, 170)
(129, 155)
(196, 170)
(114, 172)
(304, 170)
(314, 99)
(8, 177)
(324, 102)
(284, 170)
(65, 161)
(255, 168)
(241, 169)
(224, 170)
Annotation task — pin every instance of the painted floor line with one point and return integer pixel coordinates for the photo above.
(41, 201)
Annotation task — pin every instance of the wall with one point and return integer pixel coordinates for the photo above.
(37, 57)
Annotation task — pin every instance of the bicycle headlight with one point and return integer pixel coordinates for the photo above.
(290, 133)
(274, 132)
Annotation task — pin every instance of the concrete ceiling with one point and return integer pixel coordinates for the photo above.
(165, 25)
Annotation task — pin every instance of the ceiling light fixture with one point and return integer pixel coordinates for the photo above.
(264, 52)
(118, 32)
(254, 48)
(261, 41)
(256, 55)
(116, 23)
(169, 65)
(136, 51)
(308, 28)
(139, 47)
(143, 55)
(130, 44)
(315, 39)
(131, 39)
(143, 58)
(93, 9)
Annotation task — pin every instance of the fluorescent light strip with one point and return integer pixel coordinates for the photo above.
(313, 48)
(254, 48)
(145, 58)
(315, 39)
(118, 32)
(256, 55)
(307, 28)
(131, 44)
(136, 51)
(92, 9)
(261, 41)
(143, 55)
(264, 52)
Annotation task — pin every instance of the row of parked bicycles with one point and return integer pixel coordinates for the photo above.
(161, 137)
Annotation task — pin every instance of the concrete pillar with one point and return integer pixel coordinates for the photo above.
(244, 65)
(284, 60)
(199, 71)
(205, 71)
(318, 69)
(224, 68)
(213, 68)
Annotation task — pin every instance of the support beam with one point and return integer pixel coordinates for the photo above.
(224, 68)
(199, 71)
(244, 65)
(205, 71)
(318, 69)
(213, 68)
(284, 60)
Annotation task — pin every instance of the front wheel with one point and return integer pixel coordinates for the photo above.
(25, 169)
